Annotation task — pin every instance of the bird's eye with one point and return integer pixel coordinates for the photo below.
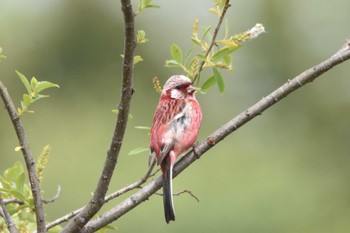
(178, 87)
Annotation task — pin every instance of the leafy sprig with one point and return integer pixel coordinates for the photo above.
(20, 204)
(34, 89)
(216, 57)
(144, 4)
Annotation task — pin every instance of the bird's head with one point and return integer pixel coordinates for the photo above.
(178, 87)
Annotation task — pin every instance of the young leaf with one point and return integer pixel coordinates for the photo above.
(141, 36)
(176, 53)
(227, 59)
(214, 11)
(27, 100)
(172, 63)
(219, 80)
(20, 183)
(196, 41)
(201, 56)
(137, 59)
(143, 128)
(206, 31)
(33, 83)
(209, 83)
(138, 150)
(24, 81)
(40, 86)
(38, 97)
(220, 53)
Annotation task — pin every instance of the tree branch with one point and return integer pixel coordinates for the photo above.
(28, 158)
(10, 225)
(136, 184)
(98, 198)
(290, 86)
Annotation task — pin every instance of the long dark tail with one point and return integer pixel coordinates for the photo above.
(168, 193)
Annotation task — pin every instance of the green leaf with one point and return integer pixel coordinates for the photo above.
(27, 100)
(40, 86)
(196, 41)
(20, 183)
(220, 53)
(140, 5)
(138, 150)
(219, 80)
(33, 83)
(24, 81)
(209, 83)
(206, 31)
(13, 172)
(227, 59)
(152, 6)
(176, 53)
(172, 63)
(143, 128)
(137, 59)
(38, 97)
(187, 56)
(6, 186)
(141, 37)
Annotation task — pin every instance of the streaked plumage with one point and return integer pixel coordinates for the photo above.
(175, 129)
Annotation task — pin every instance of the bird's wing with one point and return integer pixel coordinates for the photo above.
(170, 117)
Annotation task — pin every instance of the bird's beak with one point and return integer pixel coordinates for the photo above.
(191, 89)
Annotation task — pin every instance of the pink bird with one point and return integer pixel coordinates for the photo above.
(175, 129)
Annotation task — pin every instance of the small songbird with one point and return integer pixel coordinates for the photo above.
(175, 129)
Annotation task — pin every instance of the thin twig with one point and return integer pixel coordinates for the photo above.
(13, 200)
(28, 158)
(98, 198)
(54, 198)
(5, 214)
(109, 197)
(290, 86)
(212, 43)
(188, 192)
(132, 186)
(180, 193)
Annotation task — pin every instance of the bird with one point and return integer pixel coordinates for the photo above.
(175, 128)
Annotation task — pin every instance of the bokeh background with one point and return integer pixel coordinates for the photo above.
(286, 171)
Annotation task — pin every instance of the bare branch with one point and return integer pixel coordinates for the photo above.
(98, 198)
(189, 192)
(28, 157)
(111, 196)
(10, 225)
(290, 86)
(13, 200)
(54, 198)
(212, 43)
(64, 218)
(132, 186)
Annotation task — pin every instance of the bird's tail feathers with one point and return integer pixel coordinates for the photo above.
(168, 194)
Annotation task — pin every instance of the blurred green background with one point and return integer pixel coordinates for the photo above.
(285, 171)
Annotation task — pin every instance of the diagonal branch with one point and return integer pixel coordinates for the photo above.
(290, 86)
(10, 225)
(98, 197)
(28, 157)
(136, 184)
